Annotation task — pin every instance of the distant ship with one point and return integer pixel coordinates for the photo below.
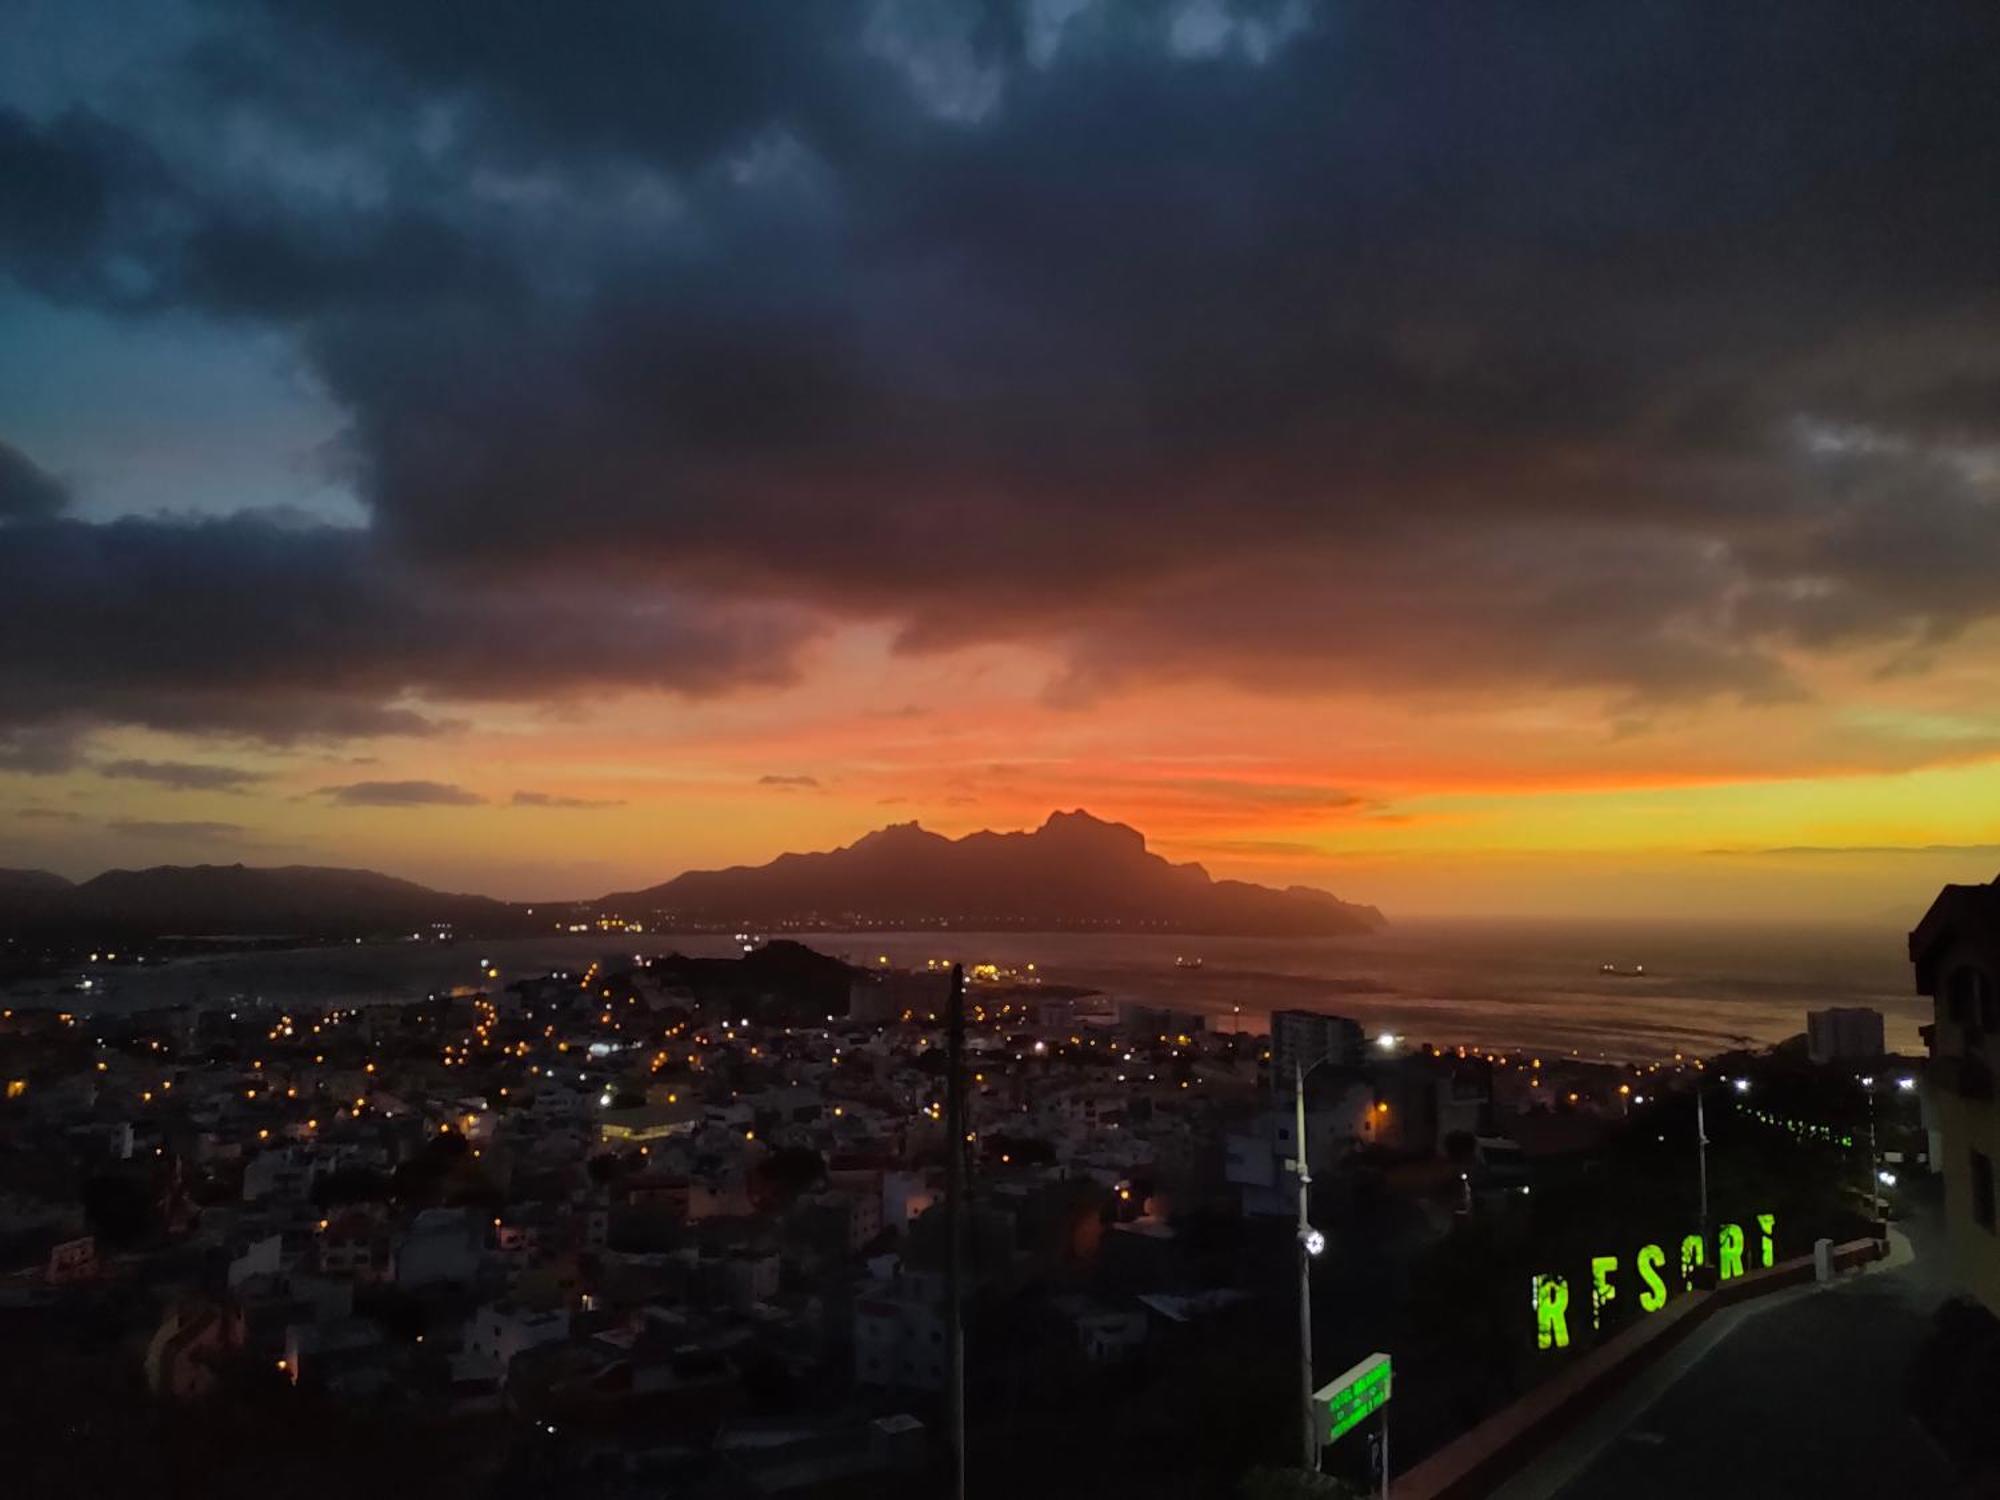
(1635, 972)
(1187, 963)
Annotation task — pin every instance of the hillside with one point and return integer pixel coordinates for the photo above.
(305, 900)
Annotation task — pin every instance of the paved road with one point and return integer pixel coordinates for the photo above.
(1803, 1397)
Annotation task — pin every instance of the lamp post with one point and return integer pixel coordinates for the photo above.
(1701, 1150)
(1311, 1242)
(1311, 1245)
(1874, 1162)
(954, 1158)
(1742, 1086)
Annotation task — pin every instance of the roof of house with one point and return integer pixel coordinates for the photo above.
(1957, 908)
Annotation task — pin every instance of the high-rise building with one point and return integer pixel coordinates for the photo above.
(1956, 951)
(1303, 1038)
(1844, 1033)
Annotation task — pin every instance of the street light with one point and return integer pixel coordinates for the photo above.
(1742, 1085)
(1312, 1244)
(1701, 1147)
(1874, 1160)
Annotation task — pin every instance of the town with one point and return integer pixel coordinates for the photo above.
(624, 1220)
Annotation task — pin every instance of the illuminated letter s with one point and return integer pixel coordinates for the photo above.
(1654, 1297)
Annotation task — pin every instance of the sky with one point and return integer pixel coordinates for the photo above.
(1517, 459)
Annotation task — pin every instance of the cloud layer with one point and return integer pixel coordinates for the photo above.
(1309, 347)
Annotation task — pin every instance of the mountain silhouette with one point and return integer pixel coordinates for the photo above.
(1075, 871)
(306, 900)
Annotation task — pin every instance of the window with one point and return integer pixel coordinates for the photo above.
(1970, 1001)
(1982, 1190)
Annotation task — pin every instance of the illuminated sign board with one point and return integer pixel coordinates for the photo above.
(1551, 1293)
(1361, 1392)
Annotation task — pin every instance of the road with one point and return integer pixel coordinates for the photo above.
(1802, 1396)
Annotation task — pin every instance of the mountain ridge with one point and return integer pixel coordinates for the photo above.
(1074, 871)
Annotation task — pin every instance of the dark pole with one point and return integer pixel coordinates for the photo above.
(954, 1221)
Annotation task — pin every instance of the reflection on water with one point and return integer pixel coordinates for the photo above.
(1497, 984)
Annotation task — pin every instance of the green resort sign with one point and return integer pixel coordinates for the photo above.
(1342, 1404)
(1551, 1293)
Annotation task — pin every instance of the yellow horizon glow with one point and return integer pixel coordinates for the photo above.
(1558, 805)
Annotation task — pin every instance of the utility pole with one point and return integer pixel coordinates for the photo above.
(1308, 1428)
(954, 1220)
(1701, 1139)
(1874, 1161)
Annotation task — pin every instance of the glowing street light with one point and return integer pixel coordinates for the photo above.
(1314, 1242)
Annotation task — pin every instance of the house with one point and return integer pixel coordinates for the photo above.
(899, 1334)
(439, 1248)
(1104, 1335)
(501, 1330)
(649, 1123)
(1956, 953)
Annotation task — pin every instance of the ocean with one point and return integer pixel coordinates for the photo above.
(1491, 984)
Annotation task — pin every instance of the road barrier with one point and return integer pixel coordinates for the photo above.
(1481, 1460)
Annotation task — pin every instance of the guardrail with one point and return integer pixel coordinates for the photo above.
(1484, 1458)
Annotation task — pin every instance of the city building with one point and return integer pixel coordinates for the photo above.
(1160, 1023)
(1304, 1038)
(1956, 952)
(899, 1335)
(1844, 1033)
(501, 1330)
(650, 1122)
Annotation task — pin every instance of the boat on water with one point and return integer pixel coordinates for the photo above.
(1637, 971)
(1187, 963)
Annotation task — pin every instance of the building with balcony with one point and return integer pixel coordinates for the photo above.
(1956, 952)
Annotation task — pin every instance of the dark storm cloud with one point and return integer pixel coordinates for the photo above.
(26, 492)
(551, 799)
(402, 794)
(1625, 348)
(789, 783)
(38, 749)
(281, 632)
(182, 776)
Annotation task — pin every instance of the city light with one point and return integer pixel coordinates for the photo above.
(1314, 1241)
